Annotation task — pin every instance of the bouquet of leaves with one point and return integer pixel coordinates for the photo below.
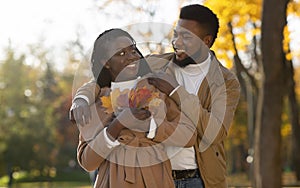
(140, 97)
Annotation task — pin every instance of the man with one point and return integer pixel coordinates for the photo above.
(218, 91)
(199, 72)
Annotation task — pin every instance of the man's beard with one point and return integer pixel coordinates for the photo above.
(187, 61)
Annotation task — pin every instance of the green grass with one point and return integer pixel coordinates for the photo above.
(52, 185)
(3, 181)
(80, 179)
(241, 180)
(70, 178)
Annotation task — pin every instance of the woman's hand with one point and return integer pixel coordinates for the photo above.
(80, 112)
(135, 119)
(130, 118)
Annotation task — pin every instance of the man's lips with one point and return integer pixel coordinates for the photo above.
(180, 53)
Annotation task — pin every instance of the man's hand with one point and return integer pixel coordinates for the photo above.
(80, 112)
(140, 114)
(163, 81)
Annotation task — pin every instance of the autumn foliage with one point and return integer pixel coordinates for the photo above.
(140, 98)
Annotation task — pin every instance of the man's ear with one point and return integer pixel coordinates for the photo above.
(208, 40)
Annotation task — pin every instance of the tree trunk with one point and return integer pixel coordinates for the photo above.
(267, 164)
(294, 119)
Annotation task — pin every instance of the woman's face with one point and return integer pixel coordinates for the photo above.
(123, 64)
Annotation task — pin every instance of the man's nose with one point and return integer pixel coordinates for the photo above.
(177, 42)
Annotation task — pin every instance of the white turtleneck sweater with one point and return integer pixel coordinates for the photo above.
(190, 77)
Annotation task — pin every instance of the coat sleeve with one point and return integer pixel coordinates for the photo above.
(214, 123)
(93, 148)
(88, 91)
(173, 127)
(90, 154)
(213, 120)
(186, 103)
(176, 129)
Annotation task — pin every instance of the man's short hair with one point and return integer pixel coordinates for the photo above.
(203, 15)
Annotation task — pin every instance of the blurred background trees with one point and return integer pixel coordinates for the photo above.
(259, 42)
(37, 137)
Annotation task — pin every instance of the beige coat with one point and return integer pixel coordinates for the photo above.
(138, 161)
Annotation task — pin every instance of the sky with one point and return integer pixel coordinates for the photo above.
(54, 23)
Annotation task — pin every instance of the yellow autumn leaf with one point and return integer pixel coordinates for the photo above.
(106, 103)
(288, 56)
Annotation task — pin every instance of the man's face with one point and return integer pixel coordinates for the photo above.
(188, 39)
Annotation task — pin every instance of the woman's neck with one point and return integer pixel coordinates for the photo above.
(123, 78)
(127, 84)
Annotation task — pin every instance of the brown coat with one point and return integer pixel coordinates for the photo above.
(218, 97)
(133, 163)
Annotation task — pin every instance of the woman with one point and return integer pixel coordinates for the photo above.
(119, 144)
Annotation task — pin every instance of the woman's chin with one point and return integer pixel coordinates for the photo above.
(127, 77)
